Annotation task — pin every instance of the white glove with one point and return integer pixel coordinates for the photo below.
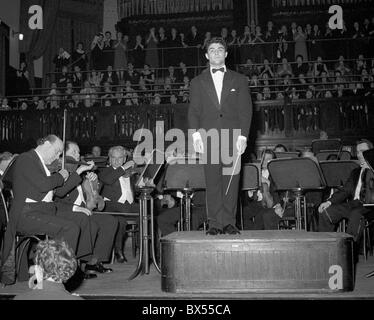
(198, 143)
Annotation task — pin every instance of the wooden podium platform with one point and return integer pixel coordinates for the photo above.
(257, 261)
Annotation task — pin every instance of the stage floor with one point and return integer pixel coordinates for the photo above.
(116, 286)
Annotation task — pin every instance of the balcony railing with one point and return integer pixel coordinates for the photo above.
(302, 119)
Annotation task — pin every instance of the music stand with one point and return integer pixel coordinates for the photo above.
(297, 175)
(328, 144)
(337, 172)
(340, 155)
(250, 181)
(186, 175)
(150, 171)
(288, 154)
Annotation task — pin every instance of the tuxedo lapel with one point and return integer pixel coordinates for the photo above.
(209, 87)
(227, 85)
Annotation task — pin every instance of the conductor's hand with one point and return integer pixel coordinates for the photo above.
(241, 144)
(198, 143)
(64, 173)
(323, 206)
(84, 168)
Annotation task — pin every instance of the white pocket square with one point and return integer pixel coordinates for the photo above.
(232, 90)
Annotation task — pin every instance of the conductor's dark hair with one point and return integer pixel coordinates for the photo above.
(51, 138)
(216, 40)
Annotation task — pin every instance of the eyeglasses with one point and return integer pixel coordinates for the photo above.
(217, 50)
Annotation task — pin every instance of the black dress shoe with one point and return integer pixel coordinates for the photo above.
(213, 231)
(89, 275)
(120, 257)
(230, 229)
(98, 267)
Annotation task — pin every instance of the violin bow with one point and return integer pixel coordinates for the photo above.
(64, 139)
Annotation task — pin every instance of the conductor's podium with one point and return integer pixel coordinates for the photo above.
(257, 261)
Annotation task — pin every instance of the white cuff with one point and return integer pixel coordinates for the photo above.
(242, 138)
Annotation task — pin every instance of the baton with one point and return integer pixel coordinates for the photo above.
(236, 163)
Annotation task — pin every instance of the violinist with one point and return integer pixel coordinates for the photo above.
(118, 192)
(72, 202)
(33, 210)
(336, 208)
(263, 209)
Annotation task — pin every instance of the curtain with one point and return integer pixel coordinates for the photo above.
(36, 42)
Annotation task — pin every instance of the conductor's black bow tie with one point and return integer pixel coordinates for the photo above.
(219, 69)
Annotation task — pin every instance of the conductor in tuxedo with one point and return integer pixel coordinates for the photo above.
(220, 111)
(347, 203)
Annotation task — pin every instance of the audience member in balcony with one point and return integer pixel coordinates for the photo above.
(156, 99)
(286, 86)
(131, 74)
(119, 100)
(249, 69)
(76, 102)
(171, 74)
(148, 76)
(254, 83)
(33, 104)
(186, 97)
(355, 88)
(208, 36)
(173, 51)
(284, 69)
(271, 37)
(183, 71)
(108, 96)
(291, 46)
(22, 83)
(4, 105)
(185, 87)
(151, 42)
(120, 54)
(108, 53)
(110, 76)
(63, 78)
(245, 45)
(145, 95)
(138, 53)
(265, 80)
(283, 50)
(193, 40)
(61, 59)
(323, 85)
(97, 54)
(302, 85)
(319, 67)
(95, 79)
(53, 102)
(77, 78)
(360, 64)
(329, 46)
(68, 94)
(342, 67)
(259, 96)
(279, 96)
(128, 98)
(162, 45)
(135, 99)
(173, 99)
(88, 95)
(357, 45)
(309, 94)
(233, 47)
(342, 44)
(300, 67)
(300, 44)
(308, 32)
(294, 94)
(257, 48)
(315, 43)
(266, 94)
(365, 80)
(79, 57)
(266, 69)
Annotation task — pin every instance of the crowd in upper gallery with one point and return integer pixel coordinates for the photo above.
(281, 62)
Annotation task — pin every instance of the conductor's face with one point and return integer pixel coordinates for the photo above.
(216, 55)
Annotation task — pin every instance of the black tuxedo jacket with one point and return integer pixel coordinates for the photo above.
(234, 111)
(348, 191)
(66, 195)
(111, 186)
